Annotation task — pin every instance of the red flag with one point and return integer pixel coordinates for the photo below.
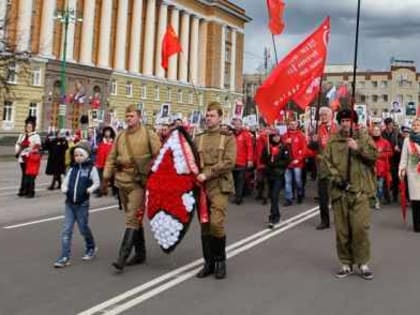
(305, 96)
(403, 196)
(170, 46)
(294, 74)
(275, 13)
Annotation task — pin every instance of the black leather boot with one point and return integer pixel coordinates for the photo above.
(208, 268)
(219, 257)
(139, 248)
(125, 249)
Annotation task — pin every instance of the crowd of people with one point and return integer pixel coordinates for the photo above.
(356, 168)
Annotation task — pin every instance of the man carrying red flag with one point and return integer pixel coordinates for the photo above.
(170, 46)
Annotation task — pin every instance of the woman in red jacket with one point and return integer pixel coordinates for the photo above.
(383, 166)
(297, 143)
(104, 147)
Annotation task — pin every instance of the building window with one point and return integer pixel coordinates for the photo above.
(33, 108)
(375, 98)
(157, 91)
(169, 94)
(143, 91)
(228, 54)
(385, 97)
(201, 99)
(12, 72)
(361, 84)
(374, 84)
(191, 98)
(179, 96)
(363, 98)
(129, 89)
(384, 84)
(8, 111)
(114, 87)
(36, 76)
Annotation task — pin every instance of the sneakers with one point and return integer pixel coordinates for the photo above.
(377, 205)
(90, 254)
(365, 272)
(344, 272)
(62, 262)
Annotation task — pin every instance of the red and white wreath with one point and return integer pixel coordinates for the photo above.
(172, 193)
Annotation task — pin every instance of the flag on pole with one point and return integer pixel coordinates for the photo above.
(294, 74)
(170, 46)
(275, 14)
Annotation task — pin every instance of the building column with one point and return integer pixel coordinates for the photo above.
(163, 17)
(72, 6)
(23, 33)
(194, 50)
(105, 34)
(173, 61)
(135, 36)
(46, 35)
(149, 38)
(222, 57)
(87, 32)
(233, 61)
(121, 36)
(202, 64)
(185, 43)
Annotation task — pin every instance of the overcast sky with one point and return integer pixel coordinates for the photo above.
(387, 28)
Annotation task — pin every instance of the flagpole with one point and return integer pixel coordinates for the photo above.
(275, 48)
(353, 96)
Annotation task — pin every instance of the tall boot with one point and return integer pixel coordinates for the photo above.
(51, 187)
(59, 182)
(219, 251)
(125, 249)
(208, 268)
(415, 209)
(139, 248)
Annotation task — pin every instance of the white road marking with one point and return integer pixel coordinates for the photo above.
(116, 305)
(16, 187)
(59, 217)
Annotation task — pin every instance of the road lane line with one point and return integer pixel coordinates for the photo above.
(241, 246)
(15, 226)
(15, 187)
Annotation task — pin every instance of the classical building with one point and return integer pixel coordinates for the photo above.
(110, 53)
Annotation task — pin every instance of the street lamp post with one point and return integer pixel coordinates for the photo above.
(66, 16)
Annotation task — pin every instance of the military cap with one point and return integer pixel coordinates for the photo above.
(132, 108)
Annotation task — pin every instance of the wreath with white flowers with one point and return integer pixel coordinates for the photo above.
(172, 194)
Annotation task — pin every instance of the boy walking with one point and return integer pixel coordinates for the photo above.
(81, 181)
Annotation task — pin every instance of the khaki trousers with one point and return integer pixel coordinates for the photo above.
(132, 200)
(352, 224)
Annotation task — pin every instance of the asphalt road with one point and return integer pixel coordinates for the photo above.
(289, 270)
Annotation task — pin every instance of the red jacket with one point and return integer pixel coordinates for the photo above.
(383, 167)
(244, 148)
(102, 152)
(298, 147)
(260, 145)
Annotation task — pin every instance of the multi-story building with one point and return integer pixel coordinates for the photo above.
(110, 54)
(376, 89)
(380, 89)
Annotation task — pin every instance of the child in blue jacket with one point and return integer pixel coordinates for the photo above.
(81, 181)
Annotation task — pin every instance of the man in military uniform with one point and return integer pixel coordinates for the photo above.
(217, 152)
(351, 186)
(128, 161)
